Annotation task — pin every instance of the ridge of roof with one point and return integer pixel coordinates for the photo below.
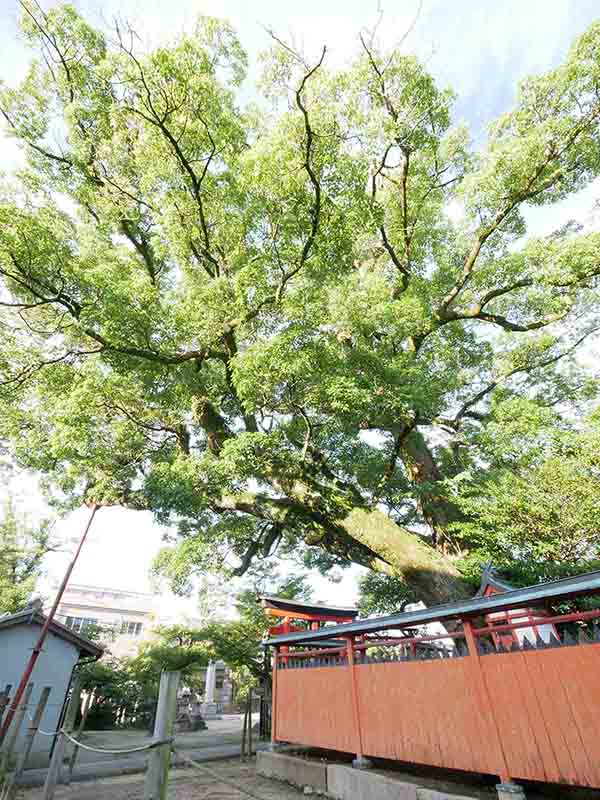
(350, 610)
(32, 615)
(490, 578)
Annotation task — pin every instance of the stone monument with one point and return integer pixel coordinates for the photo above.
(209, 706)
(189, 717)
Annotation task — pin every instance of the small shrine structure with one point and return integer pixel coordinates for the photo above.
(514, 638)
(313, 615)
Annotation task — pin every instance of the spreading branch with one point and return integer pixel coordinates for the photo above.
(466, 408)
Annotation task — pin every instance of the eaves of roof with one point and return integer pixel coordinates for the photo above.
(29, 616)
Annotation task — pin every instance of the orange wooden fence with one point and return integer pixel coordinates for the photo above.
(532, 713)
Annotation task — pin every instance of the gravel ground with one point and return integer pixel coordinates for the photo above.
(209, 783)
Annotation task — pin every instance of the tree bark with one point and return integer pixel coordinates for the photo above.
(438, 512)
(363, 536)
(431, 575)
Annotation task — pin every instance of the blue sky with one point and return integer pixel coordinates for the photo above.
(481, 48)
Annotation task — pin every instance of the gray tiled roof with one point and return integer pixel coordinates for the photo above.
(31, 615)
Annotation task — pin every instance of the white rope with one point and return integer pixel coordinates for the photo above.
(139, 749)
(157, 743)
(47, 733)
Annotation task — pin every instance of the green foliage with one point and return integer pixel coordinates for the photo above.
(238, 643)
(534, 512)
(173, 648)
(256, 323)
(382, 594)
(22, 549)
(131, 684)
(114, 689)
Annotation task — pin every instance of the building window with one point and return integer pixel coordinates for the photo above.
(80, 624)
(131, 628)
(218, 683)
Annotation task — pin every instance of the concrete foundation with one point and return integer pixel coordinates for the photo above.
(431, 794)
(347, 783)
(510, 791)
(343, 782)
(299, 772)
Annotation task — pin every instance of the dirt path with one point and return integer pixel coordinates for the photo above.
(184, 784)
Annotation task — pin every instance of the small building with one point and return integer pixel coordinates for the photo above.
(298, 616)
(309, 615)
(63, 650)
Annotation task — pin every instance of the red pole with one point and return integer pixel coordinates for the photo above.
(355, 704)
(42, 638)
(274, 695)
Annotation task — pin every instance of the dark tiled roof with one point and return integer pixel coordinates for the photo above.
(489, 578)
(32, 616)
(304, 607)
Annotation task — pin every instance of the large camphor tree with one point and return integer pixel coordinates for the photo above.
(281, 325)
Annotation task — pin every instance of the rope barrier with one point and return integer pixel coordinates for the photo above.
(140, 749)
(158, 743)
(47, 733)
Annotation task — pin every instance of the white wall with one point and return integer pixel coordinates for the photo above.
(53, 668)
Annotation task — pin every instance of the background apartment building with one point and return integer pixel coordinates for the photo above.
(124, 617)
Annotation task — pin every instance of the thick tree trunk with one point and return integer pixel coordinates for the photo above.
(362, 536)
(431, 575)
(438, 512)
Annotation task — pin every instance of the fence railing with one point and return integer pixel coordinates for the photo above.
(579, 628)
(512, 694)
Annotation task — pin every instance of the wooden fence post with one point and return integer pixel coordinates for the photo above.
(274, 697)
(244, 728)
(250, 700)
(15, 728)
(11, 787)
(85, 709)
(4, 699)
(157, 774)
(360, 762)
(58, 753)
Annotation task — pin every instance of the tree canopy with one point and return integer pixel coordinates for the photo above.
(23, 546)
(534, 511)
(283, 325)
